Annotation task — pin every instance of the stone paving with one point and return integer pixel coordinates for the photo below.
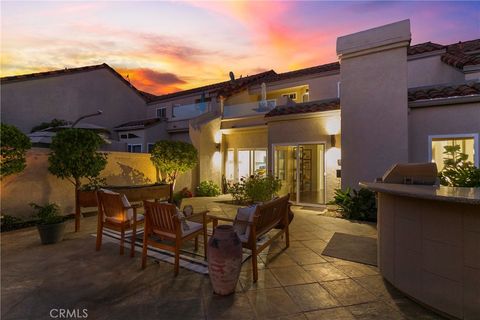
(296, 283)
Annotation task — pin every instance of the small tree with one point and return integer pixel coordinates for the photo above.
(172, 158)
(457, 170)
(14, 146)
(74, 155)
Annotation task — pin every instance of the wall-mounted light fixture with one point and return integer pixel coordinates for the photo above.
(217, 146)
(333, 141)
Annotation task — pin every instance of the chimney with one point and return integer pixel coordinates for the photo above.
(374, 101)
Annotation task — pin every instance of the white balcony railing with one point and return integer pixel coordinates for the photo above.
(189, 111)
(248, 109)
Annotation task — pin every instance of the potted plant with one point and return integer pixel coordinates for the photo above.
(51, 226)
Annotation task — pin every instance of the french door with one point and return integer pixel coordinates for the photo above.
(301, 168)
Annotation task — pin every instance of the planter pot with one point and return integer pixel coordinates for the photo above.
(224, 259)
(51, 233)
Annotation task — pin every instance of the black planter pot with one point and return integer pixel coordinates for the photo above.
(51, 233)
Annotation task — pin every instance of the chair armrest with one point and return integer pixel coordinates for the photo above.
(134, 206)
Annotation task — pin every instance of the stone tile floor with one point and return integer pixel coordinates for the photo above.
(296, 283)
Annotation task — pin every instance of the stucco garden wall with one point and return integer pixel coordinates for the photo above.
(36, 184)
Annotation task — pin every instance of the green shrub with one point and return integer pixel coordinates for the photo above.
(208, 189)
(14, 145)
(458, 171)
(52, 124)
(256, 188)
(48, 214)
(356, 205)
(178, 196)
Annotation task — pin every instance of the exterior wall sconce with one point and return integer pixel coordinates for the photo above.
(333, 141)
(217, 146)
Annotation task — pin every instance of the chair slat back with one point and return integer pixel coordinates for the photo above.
(161, 216)
(110, 205)
(270, 214)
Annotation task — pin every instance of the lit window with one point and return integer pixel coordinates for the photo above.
(249, 162)
(230, 165)
(292, 95)
(468, 145)
(136, 148)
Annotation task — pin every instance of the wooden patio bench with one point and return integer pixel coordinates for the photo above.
(267, 216)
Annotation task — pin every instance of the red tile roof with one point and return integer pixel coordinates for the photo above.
(67, 71)
(305, 107)
(138, 123)
(225, 88)
(463, 54)
(424, 48)
(444, 91)
(334, 66)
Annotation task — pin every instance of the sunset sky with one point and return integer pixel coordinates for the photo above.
(170, 46)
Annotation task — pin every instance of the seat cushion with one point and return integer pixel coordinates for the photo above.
(245, 214)
(192, 227)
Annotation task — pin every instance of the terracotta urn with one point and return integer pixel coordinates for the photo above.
(224, 259)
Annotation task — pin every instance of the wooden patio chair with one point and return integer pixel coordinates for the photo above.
(267, 216)
(162, 223)
(117, 214)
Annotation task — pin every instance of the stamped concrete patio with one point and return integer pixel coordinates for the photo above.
(297, 283)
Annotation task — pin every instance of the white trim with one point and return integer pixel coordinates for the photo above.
(453, 136)
(297, 144)
(288, 95)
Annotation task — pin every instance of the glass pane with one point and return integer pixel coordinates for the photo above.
(260, 164)
(438, 147)
(229, 166)
(284, 164)
(243, 163)
(312, 174)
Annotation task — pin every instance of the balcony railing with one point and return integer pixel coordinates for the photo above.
(189, 111)
(248, 109)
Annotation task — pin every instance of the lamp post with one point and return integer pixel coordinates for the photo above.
(99, 112)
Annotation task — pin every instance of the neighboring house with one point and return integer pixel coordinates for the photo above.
(28, 100)
(318, 128)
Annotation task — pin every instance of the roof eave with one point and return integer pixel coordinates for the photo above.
(444, 101)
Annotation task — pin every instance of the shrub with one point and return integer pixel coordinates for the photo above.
(52, 124)
(256, 188)
(208, 189)
(178, 196)
(172, 158)
(458, 171)
(356, 205)
(48, 214)
(14, 146)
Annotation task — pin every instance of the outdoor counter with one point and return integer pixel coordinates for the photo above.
(429, 244)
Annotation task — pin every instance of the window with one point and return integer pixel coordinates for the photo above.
(230, 165)
(162, 112)
(468, 144)
(128, 136)
(136, 148)
(249, 162)
(292, 95)
(150, 147)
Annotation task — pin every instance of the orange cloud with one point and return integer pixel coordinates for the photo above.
(152, 81)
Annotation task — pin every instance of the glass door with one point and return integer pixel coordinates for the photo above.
(301, 168)
(285, 168)
(311, 173)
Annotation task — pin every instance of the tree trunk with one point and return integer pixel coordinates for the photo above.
(77, 205)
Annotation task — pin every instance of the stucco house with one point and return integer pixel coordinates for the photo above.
(317, 129)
